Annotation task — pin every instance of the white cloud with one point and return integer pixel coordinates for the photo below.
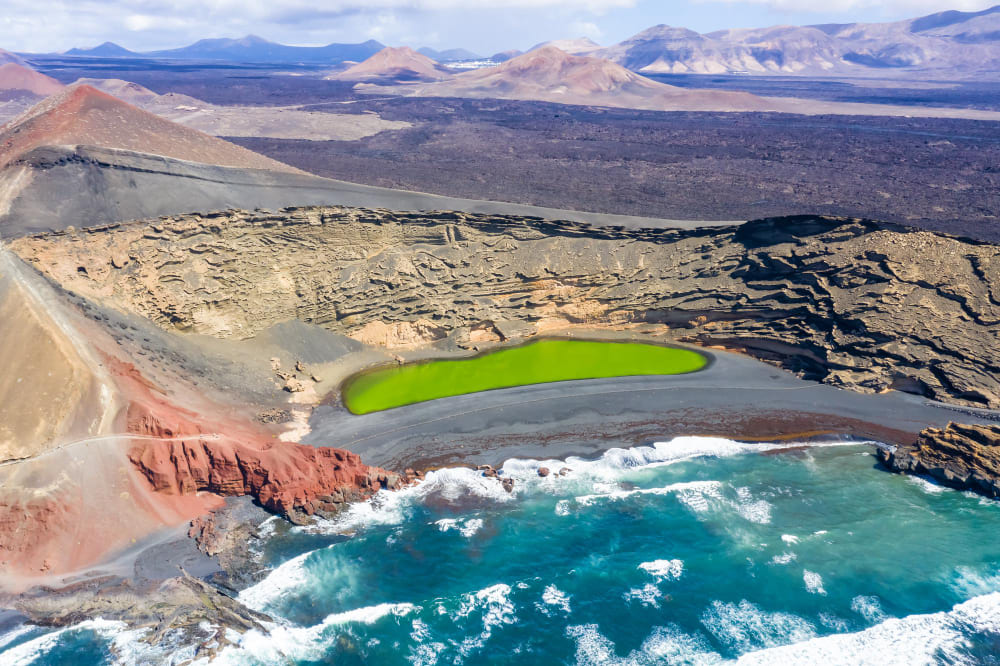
(587, 29)
(30, 25)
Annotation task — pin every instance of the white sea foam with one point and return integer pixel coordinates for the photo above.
(470, 527)
(784, 558)
(562, 508)
(790, 539)
(915, 639)
(663, 569)
(927, 485)
(868, 607)
(969, 582)
(496, 609)
(664, 645)
(596, 478)
(689, 492)
(813, 582)
(553, 597)
(610, 465)
(753, 510)
(394, 507)
(831, 621)
(466, 528)
(31, 651)
(647, 595)
(284, 580)
(745, 626)
(281, 643)
(16, 633)
(698, 496)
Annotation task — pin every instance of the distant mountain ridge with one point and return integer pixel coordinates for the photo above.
(947, 44)
(107, 50)
(249, 49)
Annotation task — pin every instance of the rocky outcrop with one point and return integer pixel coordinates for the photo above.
(289, 479)
(961, 456)
(851, 302)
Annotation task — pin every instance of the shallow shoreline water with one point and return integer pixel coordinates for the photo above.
(696, 550)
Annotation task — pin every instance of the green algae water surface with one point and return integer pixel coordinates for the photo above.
(535, 363)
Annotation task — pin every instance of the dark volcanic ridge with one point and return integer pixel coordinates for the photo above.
(53, 187)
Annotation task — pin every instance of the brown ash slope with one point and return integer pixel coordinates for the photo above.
(83, 115)
(850, 302)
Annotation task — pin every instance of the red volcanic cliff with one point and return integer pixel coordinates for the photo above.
(239, 459)
(283, 478)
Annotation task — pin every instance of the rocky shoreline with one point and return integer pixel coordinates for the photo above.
(965, 457)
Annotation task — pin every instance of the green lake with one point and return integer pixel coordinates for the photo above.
(534, 363)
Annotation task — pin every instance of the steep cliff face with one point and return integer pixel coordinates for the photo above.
(961, 456)
(850, 302)
(182, 452)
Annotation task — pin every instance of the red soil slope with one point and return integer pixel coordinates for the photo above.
(18, 77)
(82, 115)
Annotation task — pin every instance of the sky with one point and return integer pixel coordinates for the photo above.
(484, 27)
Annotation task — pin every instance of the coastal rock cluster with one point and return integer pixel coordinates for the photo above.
(961, 456)
(850, 302)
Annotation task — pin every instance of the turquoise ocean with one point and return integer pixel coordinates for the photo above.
(692, 551)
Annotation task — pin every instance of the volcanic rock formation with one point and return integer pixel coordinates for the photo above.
(966, 457)
(400, 64)
(839, 300)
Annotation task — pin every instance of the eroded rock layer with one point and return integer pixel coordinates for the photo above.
(851, 302)
(961, 456)
(286, 478)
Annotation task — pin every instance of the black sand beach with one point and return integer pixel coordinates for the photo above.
(736, 397)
